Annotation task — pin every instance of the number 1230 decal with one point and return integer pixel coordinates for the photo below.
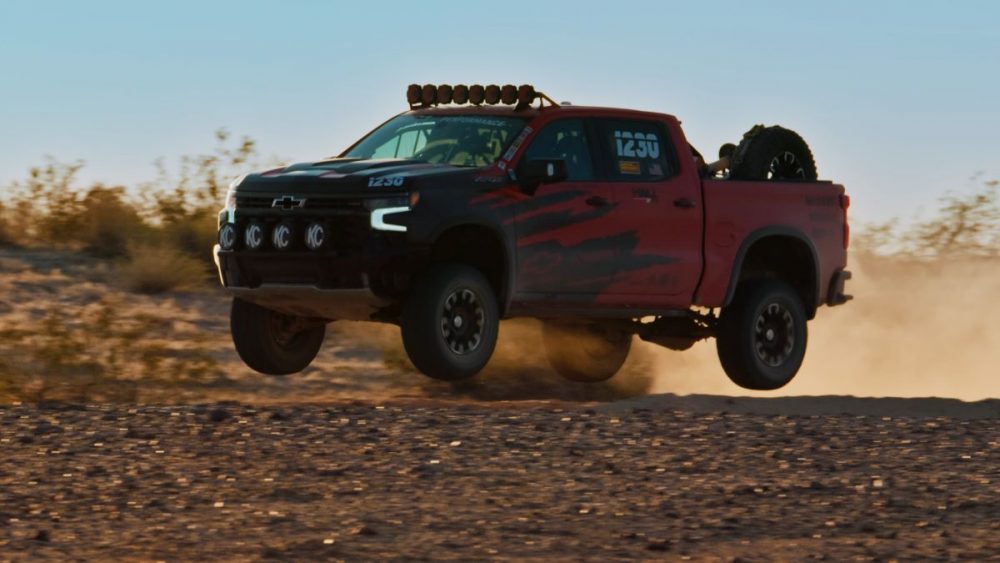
(637, 145)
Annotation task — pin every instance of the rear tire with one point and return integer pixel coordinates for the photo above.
(772, 153)
(272, 343)
(584, 353)
(762, 335)
(450, 322)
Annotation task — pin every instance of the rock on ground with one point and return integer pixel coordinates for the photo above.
(463, 481)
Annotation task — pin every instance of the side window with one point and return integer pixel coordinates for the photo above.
(567, 140)
(637, 150)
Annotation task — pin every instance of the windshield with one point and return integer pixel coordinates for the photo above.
(457, 140)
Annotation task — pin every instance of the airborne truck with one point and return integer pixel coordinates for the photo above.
(485, 203)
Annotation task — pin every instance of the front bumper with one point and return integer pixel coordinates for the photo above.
(359, 285)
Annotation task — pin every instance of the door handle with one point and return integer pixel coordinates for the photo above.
(597, 201)
(683, 203)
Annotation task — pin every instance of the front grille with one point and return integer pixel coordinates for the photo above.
(329, 205)
(254, 202)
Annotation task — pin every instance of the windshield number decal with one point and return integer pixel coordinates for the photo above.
(637, 145)
(385, 181)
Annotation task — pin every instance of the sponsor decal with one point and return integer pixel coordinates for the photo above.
(629, 167)
(315, 236)
(514, 146)
(282, 237)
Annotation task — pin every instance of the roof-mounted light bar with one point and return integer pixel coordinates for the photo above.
(430, 95)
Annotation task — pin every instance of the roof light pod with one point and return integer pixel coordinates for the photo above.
(428, 94)
(444, 94)
(413, 95)
(493, 94)
(460, 94)
(476, 94)
(526, 94)
(508, 94)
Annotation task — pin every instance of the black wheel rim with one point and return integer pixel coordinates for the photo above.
(785, 165)
(462, 321)
(774, 334)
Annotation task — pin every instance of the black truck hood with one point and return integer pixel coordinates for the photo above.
(353, 177)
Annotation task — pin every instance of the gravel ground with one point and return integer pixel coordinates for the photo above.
(425, 479)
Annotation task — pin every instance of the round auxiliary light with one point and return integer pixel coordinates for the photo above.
(413, 94)
(492, 94)
(444, 94)
(315, 236)
(254, 236)
(526, 94)
(460, 94)
(428, 94)
(508, 94)
(281, 237)
(476, 94)
(227, 236)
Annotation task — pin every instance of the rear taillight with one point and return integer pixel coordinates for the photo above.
(845, 204)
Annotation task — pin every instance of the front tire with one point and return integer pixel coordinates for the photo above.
(762, 335)
(450, 322)
(272, 343)
(585, 353)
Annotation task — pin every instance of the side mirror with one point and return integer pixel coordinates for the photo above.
(535, 172)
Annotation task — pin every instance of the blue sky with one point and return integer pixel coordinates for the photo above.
(899, 100)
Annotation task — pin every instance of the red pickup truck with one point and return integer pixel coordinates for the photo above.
(479, 204)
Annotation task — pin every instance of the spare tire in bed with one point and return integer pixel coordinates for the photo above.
(772, 153)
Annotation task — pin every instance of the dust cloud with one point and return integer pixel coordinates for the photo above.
(913, 330)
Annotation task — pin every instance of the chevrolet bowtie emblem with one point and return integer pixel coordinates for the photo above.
(288, 202)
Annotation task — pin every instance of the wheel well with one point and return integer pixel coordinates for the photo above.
(786, 258)
(479, 247)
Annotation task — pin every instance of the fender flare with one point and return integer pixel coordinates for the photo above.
(765, 232)
(507, 281)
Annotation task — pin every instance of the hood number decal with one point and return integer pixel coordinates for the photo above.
(385, 181)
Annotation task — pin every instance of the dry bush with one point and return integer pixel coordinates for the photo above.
(169, 219)
(7, 237)
(158, 269)
(96, 355)
(965, 225)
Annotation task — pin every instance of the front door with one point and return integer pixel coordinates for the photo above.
(565, 251)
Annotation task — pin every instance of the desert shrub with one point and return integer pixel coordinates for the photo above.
(193, 235)
(95, 354)
(7, 237)
(166, 229)
(964, 225)
(160, 268)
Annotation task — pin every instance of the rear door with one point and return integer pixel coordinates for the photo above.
(564, 251)
(658, 197)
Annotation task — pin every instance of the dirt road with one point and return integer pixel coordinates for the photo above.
(656, 477)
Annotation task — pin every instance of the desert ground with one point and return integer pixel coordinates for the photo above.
(130, 430)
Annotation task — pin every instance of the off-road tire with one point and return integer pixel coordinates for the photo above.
(584, 353)
(450, 322)
(270, 342)
(772, 153)
(762, 335)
